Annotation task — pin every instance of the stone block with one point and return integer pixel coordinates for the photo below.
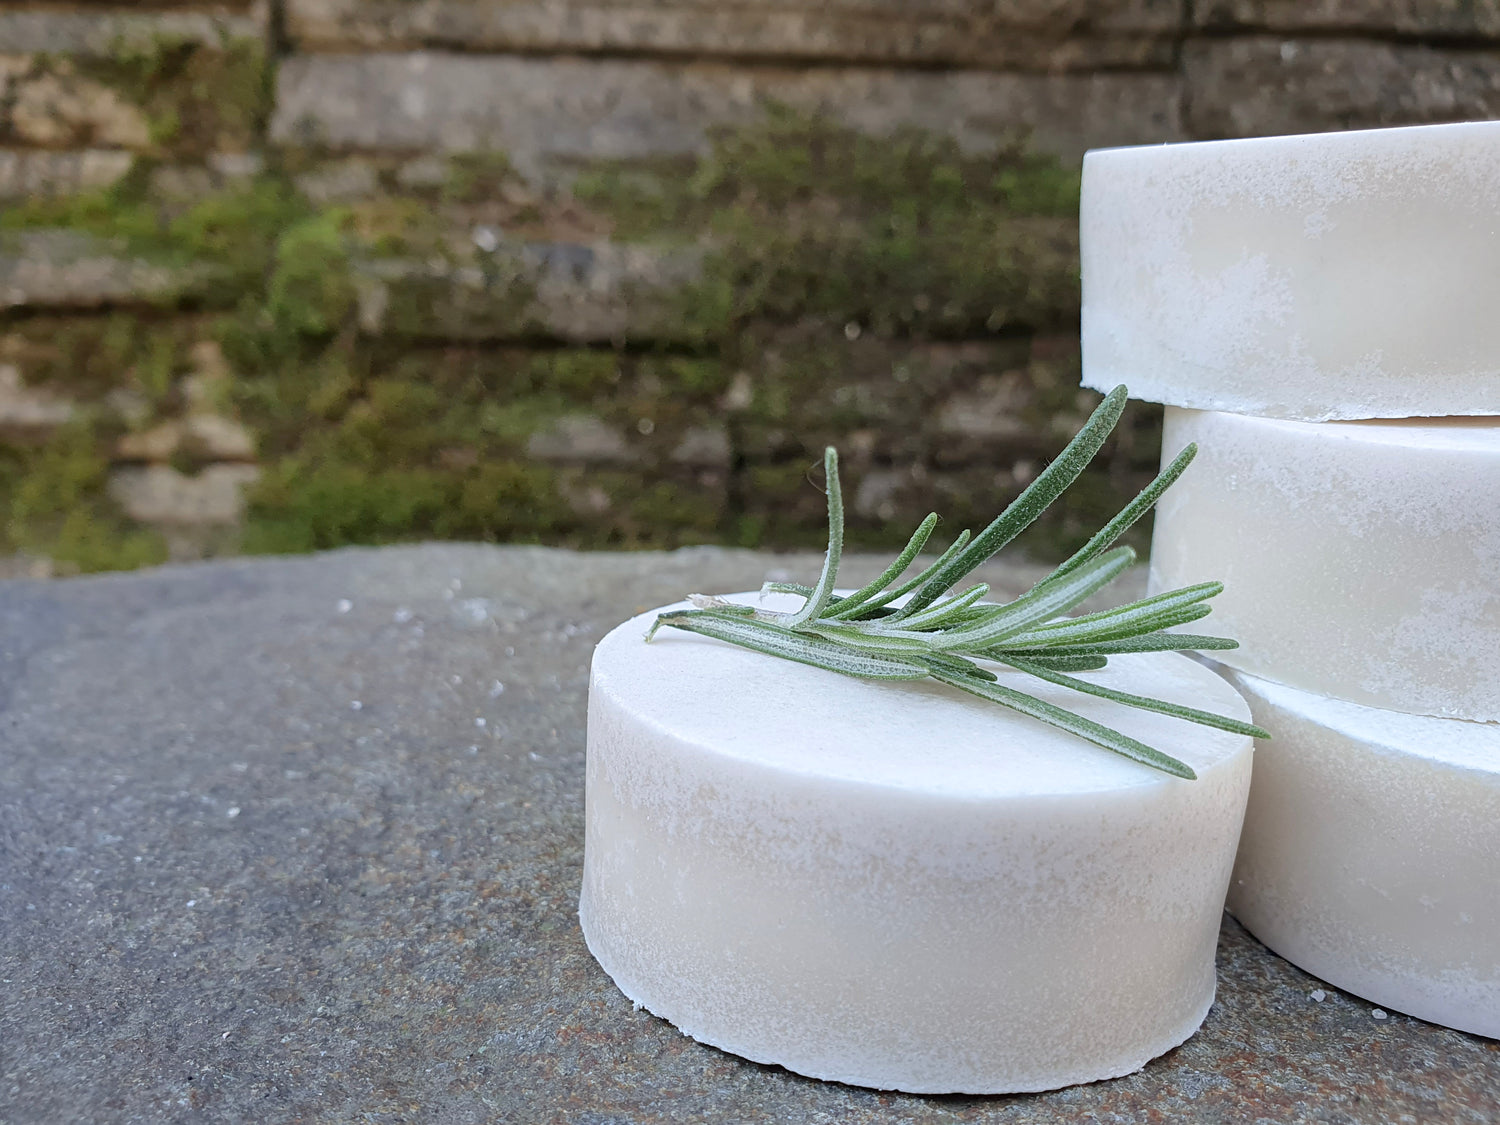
(579, 293)
(339, 181)
(103, 31)
(29, 408)
(159, 494)
(54, 106)
(60, 269)
(1447, 19)
(168, 82)
(207, 437)
(543, 113)
(1040, 35)
(32, 174)
(704, 447)
(580, 438)
(1261, 86)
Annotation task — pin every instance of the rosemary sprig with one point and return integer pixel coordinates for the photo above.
(938, 635)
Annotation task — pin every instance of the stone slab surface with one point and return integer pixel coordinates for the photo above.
(226, 894)
(541, 110)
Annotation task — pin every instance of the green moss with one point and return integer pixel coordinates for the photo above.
(644, 200)
(476, 176)
(231, 237)
(696, 377)
(573, 374)
(87, 357)
(120, 212)
(59, 506)
(310, 292)
(645, 513)
(399, 225)
(902, 234)
(241, 223)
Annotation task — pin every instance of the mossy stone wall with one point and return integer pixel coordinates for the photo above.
(286, 276)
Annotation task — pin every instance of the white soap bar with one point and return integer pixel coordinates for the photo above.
(1371, 853)
(898, 885)
(1361, 560)
(1338, 275)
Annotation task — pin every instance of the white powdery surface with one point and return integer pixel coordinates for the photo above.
(1359, 559)
(1371, 853)
(1327, 276)
(897, 885)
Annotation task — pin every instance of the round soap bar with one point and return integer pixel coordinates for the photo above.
(1371, 853)
(1359, 559)
(1338, 275)
(898, 885)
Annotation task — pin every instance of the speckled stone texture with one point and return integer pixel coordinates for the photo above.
(226, 894)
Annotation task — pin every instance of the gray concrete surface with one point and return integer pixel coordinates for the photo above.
(229, 894)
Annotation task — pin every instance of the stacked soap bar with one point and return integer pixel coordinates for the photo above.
(894, 884)
(1338, 275)
(1359, 559)
(1317, 313)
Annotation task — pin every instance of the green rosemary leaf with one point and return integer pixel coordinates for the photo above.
(1133, 625)
(1041, 603)
(1129, 514)
(1144, 642)
(1145, 703)
(1170, 599)
(946, 612)
(894, 642)
(1134, 617)
(774, 640)
(813, 608)
(958, 666)
(1097, 733)
(1024, 510)
(880, 601)
(847, 606)
(1066, 662)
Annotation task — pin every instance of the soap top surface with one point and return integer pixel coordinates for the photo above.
(1320, 276)
(917, 736)
(1455, 742)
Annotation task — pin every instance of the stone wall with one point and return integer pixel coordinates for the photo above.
(291, 274)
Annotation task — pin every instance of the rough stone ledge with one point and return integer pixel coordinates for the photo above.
(1048, 36)
(101, 31)
(63, 269)
(545, 112)
(27, 173)
(227, 892)
(1454, 19)
(1262, 86)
